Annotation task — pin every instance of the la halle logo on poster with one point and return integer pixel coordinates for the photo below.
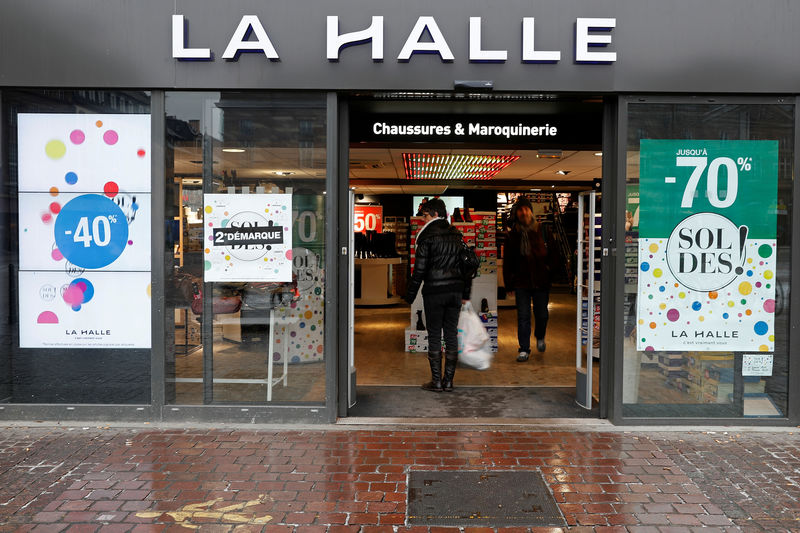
(90, 332)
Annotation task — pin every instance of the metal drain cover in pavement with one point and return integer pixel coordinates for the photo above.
(485, 498)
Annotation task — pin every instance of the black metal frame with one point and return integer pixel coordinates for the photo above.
(608, 295)
(342, 248)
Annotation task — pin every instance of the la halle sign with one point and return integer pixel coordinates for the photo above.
(592, 38)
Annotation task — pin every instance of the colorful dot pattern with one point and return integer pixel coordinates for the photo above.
(304, 323)
(63, 157)
(738, 317)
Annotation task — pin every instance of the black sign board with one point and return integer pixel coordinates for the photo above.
(562, 130)
(247, 236)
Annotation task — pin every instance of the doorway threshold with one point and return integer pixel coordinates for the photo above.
(470, 403)
(539, 424)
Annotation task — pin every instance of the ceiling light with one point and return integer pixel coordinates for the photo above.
(283, 172)
(233, 150)
(598, 154)
(534, 190)
(563, 172)
(548, 154)
(455, 166)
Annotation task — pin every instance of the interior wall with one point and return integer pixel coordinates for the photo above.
(400, 205)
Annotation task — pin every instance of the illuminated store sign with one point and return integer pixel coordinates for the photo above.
(592, 36)
(493, 129)
(465, 128)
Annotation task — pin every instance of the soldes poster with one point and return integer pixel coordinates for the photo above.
(707, 245)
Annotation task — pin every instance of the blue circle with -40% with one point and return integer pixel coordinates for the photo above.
(91, 231)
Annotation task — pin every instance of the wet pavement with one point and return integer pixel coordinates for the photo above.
(340, 479)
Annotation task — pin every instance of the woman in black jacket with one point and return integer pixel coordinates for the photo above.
(436, 263)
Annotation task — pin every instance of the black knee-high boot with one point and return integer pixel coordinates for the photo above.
(435, 384)
(450, 362)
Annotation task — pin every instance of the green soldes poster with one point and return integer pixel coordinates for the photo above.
(707, 245)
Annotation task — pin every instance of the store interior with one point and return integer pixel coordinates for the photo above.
(390, 350)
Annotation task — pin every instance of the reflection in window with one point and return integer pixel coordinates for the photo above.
(260, 337)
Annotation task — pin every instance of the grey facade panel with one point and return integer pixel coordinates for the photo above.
(725, 46)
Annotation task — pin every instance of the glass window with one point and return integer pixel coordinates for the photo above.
(246, 274)
(75, 226)
(707, 260)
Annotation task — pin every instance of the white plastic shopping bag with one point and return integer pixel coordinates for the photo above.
(473, 341)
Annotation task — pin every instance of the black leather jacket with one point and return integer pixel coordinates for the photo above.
(436, 262)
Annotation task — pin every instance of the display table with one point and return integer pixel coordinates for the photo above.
(232, 323)
(375, 282)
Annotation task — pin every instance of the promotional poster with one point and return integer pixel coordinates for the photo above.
(368, 218)
(90, 310)
(84, 225)
(248, 237)
(707, 245)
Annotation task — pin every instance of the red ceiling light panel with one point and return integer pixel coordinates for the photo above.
(454, 166)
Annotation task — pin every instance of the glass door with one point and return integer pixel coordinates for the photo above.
(246, 285)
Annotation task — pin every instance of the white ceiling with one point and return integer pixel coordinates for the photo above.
(254, 162)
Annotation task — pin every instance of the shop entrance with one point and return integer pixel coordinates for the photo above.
(480, 155)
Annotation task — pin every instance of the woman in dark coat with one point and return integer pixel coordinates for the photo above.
(526, 271)
(443, 291)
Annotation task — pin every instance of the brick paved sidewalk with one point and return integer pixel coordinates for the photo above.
(341, 480)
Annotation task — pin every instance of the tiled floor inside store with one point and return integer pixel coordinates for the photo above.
(380, 359)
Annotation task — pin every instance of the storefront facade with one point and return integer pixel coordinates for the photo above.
(116, 117)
